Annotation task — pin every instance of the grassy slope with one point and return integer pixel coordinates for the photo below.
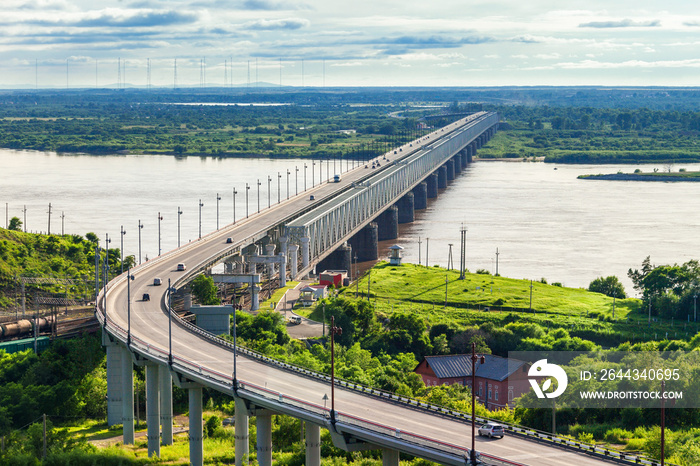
(421, 289)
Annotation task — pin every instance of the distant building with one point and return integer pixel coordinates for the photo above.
(311, 293)
(333, 278)
(498, 383)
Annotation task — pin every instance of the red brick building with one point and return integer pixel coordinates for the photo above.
(498, 381)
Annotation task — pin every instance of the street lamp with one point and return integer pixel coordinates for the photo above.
(234, 204)
(333, 331)
(279, 180)
(218, 198)
(123, 232)
(179, 212)
(140, 227)
(269, 179)
(201, 204)
(287, 183)
(247, 188)
(481, 359)
(313, 167)
(304, 177)
(160, 217)
(259, 195)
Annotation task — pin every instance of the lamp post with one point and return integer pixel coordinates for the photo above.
(279, 181)
(160, 217)
(179, 212)
(234, 204)
(269, 179)
(313, 167)
(287, 183)
(259, 195)
(481, 359)
(129, 278)
(140, 227)
(333, 331)
(247, 188)
(296, 180)
(218, 198)
(121, 251)
(201, 204)
(304, 177)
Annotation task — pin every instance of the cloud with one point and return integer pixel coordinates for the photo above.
(625, 23)
(629, 64)
(691, 23)
(275, 24)
(268, 5)
(140, 19)
(547, 56)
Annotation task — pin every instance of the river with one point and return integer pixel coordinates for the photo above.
(544, 222)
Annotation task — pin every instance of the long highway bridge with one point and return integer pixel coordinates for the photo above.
(307, 229)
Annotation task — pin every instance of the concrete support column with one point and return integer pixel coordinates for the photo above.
(196, 426)
(284, 243)
(465, 157)
(270, 251)
(166, 404)
(420, 196)
(242, 435)
(255, 299)
(313, 444)
(406, 206)
(152, 410)
(432, 181)
(450, 165)
(305, 252)
(366, 243)
(388, 223)
(390, 457)
(263, 423)
(340, 259)
(458, 163)
(128, 396)
(442, 177)
(293, 258)
(283, 270)
(114, 384)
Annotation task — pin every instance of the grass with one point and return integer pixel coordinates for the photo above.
(481, 298)
(278, 295)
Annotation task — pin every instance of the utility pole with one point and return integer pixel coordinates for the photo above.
(497, 253)
(449, 258)
(427, 241)
(25, 218)
(63, 216)
(530, 295)
(419, 243)
(49, 229)
(462, 251)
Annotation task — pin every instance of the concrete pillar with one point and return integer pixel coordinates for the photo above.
(420, 196)
(293, 257)
(305, 252)
(390, 457)
(442, 177)
(340, 259)
(388, 223)
(196, 426)
(255, 299)
(458, 163)
(128, 396)
(114, 384)
(242, 435)
(432, 181)
(283, 270)
(406, 206)
(263, 423)
(450, 165)
(270, 251)
(313, 444)
(465, 157)
(152, 410)
(166, 404)
(284, 243)
(366, 243)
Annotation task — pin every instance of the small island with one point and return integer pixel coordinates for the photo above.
(638, 175)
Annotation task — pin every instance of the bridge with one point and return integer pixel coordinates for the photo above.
(308, 228)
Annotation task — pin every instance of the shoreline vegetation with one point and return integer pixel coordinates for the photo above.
(681, 176)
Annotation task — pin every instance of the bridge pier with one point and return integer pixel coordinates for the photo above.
(420, 196)
(390, 457)
(450, 166)
(293, 258)
(254, 298)
(464, 155)
(242, 435)
(196, 425)
(388, 223)
(313, 444)
(114, 380)
(127, 380)
(283, 270)
(406, 206)
(365, 243)
(166, 404)
(442, 177)
(340, 259)
(270, 251)
(432, 185)
(263, 423)
(152, 409)
(457, 159)
(284, 244)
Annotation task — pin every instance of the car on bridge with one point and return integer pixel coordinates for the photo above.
(146, 297)
(491, 429)
(181, 267)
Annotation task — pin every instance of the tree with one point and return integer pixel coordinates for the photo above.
(204, 289)
(609, 286)
(15, 224)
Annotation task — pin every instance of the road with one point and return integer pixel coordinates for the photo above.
(149, 324)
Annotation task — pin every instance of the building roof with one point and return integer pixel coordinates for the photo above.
(460, 365)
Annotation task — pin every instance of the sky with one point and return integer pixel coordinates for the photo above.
(110, 43)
